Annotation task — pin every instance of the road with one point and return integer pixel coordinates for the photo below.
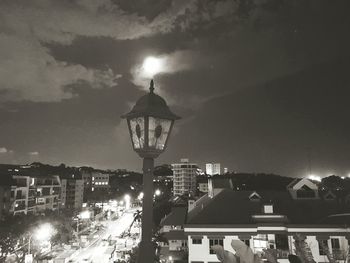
(96, 250)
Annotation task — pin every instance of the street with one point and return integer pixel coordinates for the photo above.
(99, 250)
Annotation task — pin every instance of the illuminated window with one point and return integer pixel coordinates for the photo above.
(268, 209)
(260, 242)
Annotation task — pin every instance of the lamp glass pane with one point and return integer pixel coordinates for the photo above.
(137, 127)
(158, 132)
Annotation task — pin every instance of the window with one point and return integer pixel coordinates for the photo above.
(281, 241)
(260, 242)
(196, 241)
(322, 247)
(214, 242)
(268, 209)
(246, 241)
(335, 243)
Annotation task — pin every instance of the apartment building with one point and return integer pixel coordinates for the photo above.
(72, 193)
(184, 177)
(30, 195)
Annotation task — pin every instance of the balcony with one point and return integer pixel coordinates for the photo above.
(20, 196)
(339, 254)
(20, 206)
(282, 254)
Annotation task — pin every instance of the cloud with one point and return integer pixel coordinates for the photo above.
(3, 150)
(28, 70)
(177, 61)
(33, 153)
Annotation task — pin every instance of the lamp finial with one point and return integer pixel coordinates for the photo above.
(151, 86)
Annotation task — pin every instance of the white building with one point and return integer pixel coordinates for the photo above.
(184, 174)
(72, 193)
(212, 168)
(267, 219)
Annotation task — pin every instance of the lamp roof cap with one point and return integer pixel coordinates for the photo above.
(152, 105)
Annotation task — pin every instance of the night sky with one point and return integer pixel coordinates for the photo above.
(261, 85)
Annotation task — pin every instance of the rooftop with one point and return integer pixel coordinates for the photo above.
(176, 217)
(235, 207)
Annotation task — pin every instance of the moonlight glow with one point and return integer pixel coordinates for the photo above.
(152, 65)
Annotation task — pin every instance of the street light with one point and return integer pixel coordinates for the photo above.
(140, 196)
(150, 123)
(127, 201)
(43, 233)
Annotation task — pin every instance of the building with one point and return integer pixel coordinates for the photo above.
(202, 184)
(72, 193)
(267, 219)
(33, 194)
(100, 181)
(86, 174)
(184, 174)
(212, 168)
(5, 196)
(23, 196)
(48, 190)
(174, 243)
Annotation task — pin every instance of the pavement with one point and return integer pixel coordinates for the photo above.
(98, 250)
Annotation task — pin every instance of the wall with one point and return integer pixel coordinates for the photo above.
(200, 252)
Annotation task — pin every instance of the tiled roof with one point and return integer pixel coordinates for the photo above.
(235, 207)
(177, 217)
(175, 235)
(221, 183)
(341, 219)
(294, 182)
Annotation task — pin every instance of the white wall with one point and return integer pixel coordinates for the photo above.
(200, 252)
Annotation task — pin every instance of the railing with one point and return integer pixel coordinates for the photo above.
(339, 254)
(282, 254)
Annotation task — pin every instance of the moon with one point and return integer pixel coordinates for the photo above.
(152, 66)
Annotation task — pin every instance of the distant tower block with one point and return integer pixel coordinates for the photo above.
(184, 177)
(225, 170)
(212, 168)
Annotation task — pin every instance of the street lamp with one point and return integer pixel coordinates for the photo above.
(150, 123)
(43, 233)
(127, 201)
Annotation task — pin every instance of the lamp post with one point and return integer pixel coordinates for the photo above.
(150, 123)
